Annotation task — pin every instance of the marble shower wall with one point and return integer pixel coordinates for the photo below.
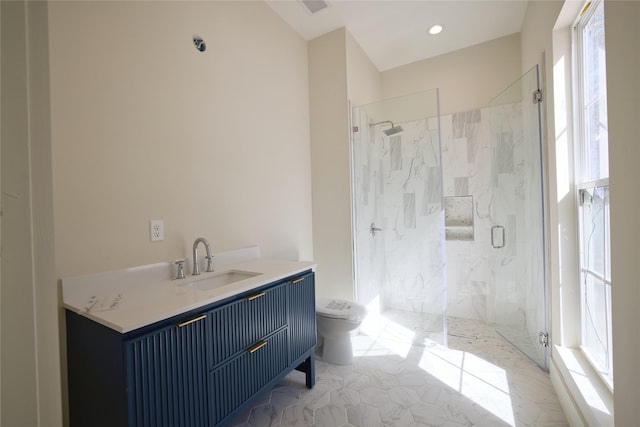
(397, 187)
(504, 180)
(466, 162)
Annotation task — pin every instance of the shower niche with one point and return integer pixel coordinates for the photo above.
(458, 218)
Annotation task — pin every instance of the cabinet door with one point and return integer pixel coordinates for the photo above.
(302, 315)
(167, 375)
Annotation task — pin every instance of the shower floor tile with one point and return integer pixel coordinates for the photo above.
(402, 376)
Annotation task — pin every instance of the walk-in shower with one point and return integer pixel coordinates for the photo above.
(465, 188)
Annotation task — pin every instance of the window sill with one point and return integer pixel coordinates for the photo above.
(588, 393)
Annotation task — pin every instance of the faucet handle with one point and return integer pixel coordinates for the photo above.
(180, 264)
(209, 259)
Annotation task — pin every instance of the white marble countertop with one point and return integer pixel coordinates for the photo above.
(129, 299)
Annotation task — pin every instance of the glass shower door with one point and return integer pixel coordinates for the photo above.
(517, 212)
(397, 211)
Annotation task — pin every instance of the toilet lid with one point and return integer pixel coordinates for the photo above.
(340, 309)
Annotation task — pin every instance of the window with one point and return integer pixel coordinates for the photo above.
(593, 188)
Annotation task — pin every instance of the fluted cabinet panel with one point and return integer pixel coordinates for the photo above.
(167, 384)
(302, 321)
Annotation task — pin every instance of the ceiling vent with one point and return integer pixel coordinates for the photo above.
(314, 6)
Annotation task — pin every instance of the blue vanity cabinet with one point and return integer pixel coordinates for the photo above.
(154, 377)
(166, 376)
(95, 374)
(201, 368)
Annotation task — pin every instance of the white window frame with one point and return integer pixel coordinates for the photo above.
(582, 182)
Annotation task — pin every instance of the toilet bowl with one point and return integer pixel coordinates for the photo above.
(335, 319)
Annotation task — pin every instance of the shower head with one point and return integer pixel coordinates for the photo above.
(392, 130)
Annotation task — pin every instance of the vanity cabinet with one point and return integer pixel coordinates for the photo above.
(166, 376)
(198, 369)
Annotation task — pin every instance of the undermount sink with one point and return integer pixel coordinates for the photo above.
(221, 279)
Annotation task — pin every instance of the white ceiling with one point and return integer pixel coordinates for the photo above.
(394, 32)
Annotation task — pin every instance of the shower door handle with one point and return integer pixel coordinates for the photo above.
(373, 229)
(497, 235)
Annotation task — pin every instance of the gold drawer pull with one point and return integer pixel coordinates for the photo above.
(298, 280)
(257, 346)
(194, 320)
(256, 296)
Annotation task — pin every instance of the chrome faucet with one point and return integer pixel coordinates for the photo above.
(209, 257)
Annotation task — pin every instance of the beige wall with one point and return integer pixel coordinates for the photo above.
(467, 78)
(330, 165)
(623, 91)
(144, 127)
(562, 195)
(364, 82)
(546, 39)
(19, 387)
(537, 48)
(30, 357)
(340, 75)
(47, 299)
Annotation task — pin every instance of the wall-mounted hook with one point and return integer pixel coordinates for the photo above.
(199, 43)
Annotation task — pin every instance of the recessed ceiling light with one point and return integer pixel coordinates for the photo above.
(435, 29)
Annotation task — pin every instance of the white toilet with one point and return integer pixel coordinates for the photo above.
(336, 318)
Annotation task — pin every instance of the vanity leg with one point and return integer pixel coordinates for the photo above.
(309, 368)
(311, 371)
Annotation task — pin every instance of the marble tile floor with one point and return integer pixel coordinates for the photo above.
(400, 377)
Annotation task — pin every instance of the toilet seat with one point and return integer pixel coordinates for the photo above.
(340, 309)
